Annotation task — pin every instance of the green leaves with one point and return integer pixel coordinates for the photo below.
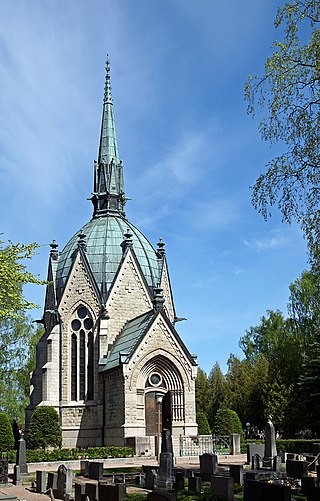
(289, 90)
(13, 276)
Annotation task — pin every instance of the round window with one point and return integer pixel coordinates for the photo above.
(75, 324)
(88, 323)
(82, 312)
(155, 379)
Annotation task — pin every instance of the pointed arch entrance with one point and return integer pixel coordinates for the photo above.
(164, 403)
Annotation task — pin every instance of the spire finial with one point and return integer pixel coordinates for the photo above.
(160, 250)
(108, 192)
(107, 88)
(54, 254)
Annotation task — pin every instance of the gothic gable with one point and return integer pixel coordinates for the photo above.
(129, 296)
(167, 292)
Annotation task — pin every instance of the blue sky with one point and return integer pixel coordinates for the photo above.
(190, 151)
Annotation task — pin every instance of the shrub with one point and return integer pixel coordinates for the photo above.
(6, 434)
(227, 422)
(39, 456)
(45, 430)
(203, 424)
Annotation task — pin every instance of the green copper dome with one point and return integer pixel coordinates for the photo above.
(104, 237)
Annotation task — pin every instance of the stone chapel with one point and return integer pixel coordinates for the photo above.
(111, 361)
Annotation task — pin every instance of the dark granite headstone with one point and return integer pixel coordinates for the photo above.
(277, 464)
(79, 489)
(179, 481)
(270, 449)
(296, 469)
(256, 463)
(3, 471)
(84, 468)
(112, 492)
(223, 486)
(307, 482)
(194, 485)
(253, 449)
(166, 442)
(150, 477)
(264, 491)
(313, 494)
(161, 496)
(236, 472)
(164, 478)
(91, 491)
(21, 458)
(16, 475)
(208, 466)
(52, 480)
(41, 481)
(95, 470)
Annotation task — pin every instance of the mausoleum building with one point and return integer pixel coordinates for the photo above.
(111, 361)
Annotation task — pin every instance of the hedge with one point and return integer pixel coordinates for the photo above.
(39, 456)
(297, 446)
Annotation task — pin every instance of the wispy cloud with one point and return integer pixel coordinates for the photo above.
(266, 243)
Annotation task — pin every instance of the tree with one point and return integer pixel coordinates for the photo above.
(289, 89)
(13, 276)
(218, 391)
(310, 384)
(277, 339)
(203, 424)
(6, 433)
(304, 304)
(18, 338)
(45, 430)
(202, 392)
(226, 422)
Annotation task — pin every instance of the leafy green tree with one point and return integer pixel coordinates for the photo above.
(202, 392)
(18, 338)
(239, 384)
(13, 276)
(218, 391)
(277, 339)
(289, 89)
(45, 430)
(203, 424)
(226, 422)
(304, 304)
(310, 385)
(6, 433)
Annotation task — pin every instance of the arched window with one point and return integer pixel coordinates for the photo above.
(82, 355)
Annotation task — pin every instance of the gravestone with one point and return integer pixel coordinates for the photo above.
(166, 441)
(277, 464)
(64, 483)
(253, 450)
(79, 490)
(236, 472)
(96, 470)
(160, 496)
(234, 442)
(194, 485)
(208, 466)
(16, 475)
(179, 481)
(313, 494)
(223, 486)
(164, 478)
(270, 449)
(307, 483)
(264, 491)
(112, 492)
(256, 462)
(296, 469)
(3, 471)
(21, 457)
(84, 468)
(52, 481)
(150, 477)
(91, 491)
(41, 481)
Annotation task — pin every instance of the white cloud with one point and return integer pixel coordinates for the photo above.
(266, 243)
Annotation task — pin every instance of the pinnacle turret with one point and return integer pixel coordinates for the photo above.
(108, 196)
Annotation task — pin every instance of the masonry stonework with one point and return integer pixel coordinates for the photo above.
(110, 354)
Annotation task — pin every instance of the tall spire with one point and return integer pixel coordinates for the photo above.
(108, 196)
